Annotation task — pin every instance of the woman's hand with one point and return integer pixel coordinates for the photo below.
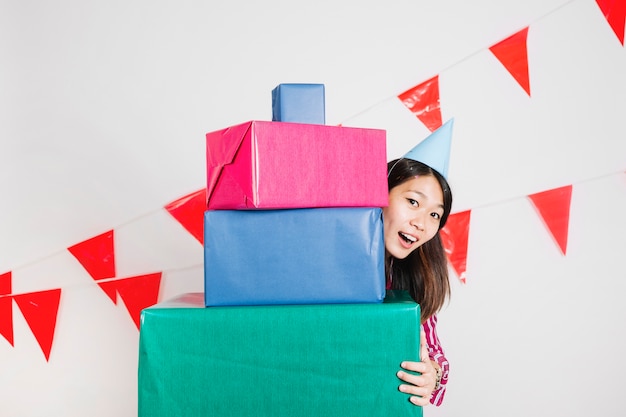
(419, 387)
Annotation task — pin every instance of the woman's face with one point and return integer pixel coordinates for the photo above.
(413, 215)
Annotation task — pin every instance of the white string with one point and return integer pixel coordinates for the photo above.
(445, 69)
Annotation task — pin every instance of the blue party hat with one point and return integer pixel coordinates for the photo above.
(434, 151)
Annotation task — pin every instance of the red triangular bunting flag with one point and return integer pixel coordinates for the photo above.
(512, 53)
(615, 13)
(455, 235)
(110, 288)
(6, 318)
(5, 283)
(40, 312)
(138, 293)
(423, 101)
(96, 255)
(189, 212)
(553, 207)
(6, 307)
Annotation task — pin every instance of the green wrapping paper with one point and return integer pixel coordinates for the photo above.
(296, 360)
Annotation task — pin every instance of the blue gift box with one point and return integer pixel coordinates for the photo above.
(293, 256)
(299, 103)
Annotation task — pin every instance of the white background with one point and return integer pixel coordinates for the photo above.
(103, 111)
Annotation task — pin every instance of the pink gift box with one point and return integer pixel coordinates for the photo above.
(274, 165)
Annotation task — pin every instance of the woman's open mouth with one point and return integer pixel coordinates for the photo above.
(408, 239)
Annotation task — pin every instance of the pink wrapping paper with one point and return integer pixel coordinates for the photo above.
(274, 165)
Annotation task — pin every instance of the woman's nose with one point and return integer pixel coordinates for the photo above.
(418, 222)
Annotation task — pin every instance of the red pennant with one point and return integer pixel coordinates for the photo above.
(6, 318)
(110, 289)
(423, 101)
(553, 207)
(40, 312)
(189, 212)
(96, 255)
(5, 283)
(139, 292)
(615, 13)
(455, 235)
(512, 53)
(6, 307)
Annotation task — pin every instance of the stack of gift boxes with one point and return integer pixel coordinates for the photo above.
(294, 319)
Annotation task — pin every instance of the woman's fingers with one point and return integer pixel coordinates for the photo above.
(417, 376)
(418, 395)
(415, 385)
(417, 380)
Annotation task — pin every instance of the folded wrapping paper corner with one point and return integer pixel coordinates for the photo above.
(295, 256)
(276, 165)
(222, 153)
(310, 360)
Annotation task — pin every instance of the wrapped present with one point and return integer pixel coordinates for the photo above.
(296, 256)
(314, 360)
(299, 103)
(277, 165)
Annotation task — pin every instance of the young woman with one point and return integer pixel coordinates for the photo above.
(420, 200)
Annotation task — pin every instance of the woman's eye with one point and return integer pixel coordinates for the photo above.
(413, 202)
(436, 216)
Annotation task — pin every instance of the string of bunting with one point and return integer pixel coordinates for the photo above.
(97, 254)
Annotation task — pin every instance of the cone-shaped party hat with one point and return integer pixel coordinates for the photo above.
(434, 151)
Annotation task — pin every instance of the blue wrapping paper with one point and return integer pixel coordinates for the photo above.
(299, 103)
(295, 256)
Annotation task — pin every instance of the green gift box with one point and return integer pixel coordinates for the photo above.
(290, 360)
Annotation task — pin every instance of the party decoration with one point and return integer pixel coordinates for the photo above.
(299, 103)
(109, 289)
(423, 101)
(244, 172)
(139, 292)
(512, 53)
(40, 312)
(276, 361)
(188, 211)
(615, 13)
(434, 151)
(96, 255)
(265, 262)
(6, 307)
(455, 235)
(553, 207)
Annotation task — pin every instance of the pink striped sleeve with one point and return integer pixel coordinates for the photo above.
(435, 351)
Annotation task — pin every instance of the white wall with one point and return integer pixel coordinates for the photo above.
(103, 111)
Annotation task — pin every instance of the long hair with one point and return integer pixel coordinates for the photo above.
(424, 273)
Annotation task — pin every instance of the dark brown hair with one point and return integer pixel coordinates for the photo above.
(424, 273)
